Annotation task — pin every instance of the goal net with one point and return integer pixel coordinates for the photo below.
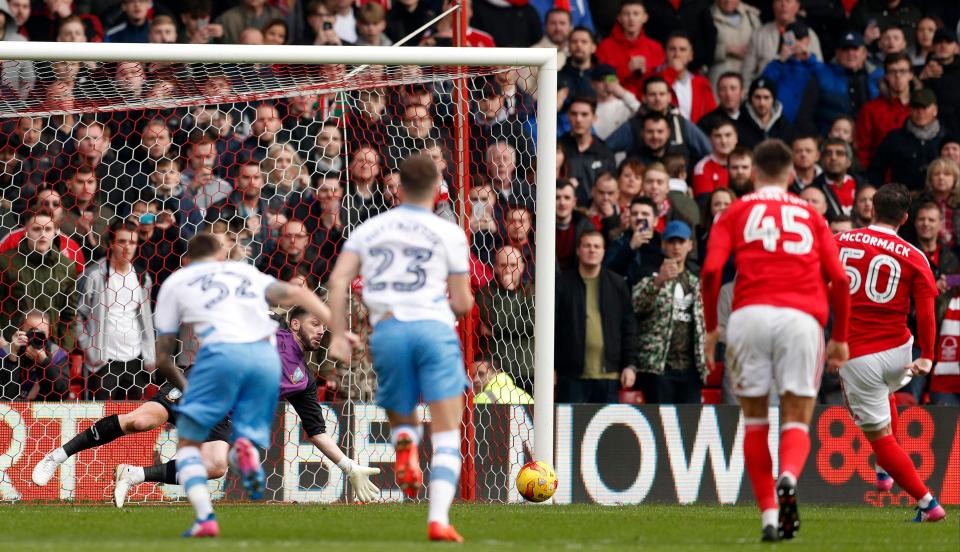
(284, 151)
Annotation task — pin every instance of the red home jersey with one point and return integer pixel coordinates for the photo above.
(783, 251)
(884, 271)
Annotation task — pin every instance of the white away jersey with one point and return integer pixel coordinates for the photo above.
(406, 255)
(225, 302)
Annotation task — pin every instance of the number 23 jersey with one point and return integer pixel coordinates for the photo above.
(225, 302)
(884, 272)
(406, 255)
(781, 246)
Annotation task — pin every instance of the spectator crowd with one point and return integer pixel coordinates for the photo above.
(660, 103)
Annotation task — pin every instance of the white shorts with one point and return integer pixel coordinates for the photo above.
(767, 345)
(868, 381)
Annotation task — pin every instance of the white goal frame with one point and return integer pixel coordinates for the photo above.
(543, 59)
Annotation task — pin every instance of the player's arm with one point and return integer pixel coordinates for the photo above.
(346, 269)
(166, 347)
(711, 276)
(461, 299)
(837, 351)
(282, 294)
(924, 298)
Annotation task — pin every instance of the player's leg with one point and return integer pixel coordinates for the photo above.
(257, 367)
(213, 452)
(868, 383)
(210, 396)
(798, 366)
(442, 379)
(884, 481)
(749, 360)
(145, 417)
(398, 392)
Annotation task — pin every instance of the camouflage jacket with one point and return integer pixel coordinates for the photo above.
(654, 308)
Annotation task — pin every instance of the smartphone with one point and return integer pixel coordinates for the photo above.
(327, 26)
(790, 39)
(202, 22)
(148, 218)
(37, 339)
(643, 225)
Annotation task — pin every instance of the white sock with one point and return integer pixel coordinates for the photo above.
(59, 455)
(444, 474)
(193, 477)
(413, 432)
(925, 501)
(770, 517)
(136, 473)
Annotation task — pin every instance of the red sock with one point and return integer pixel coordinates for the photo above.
(894, 416)
(794, 448)
(756, 456)
(897, 463)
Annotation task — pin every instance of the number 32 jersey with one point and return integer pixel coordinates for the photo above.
(784, 252)
(884, 272)
(224, 301)
(406, 255)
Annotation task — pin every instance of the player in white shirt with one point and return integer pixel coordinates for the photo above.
(409, 259)
(237, 369)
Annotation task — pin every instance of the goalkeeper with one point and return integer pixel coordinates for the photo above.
(298, 386)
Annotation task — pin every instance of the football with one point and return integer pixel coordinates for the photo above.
(536, 481)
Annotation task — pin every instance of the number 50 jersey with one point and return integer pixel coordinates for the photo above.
(406, 255)
(884, 272)
(784, 253)
(225, 302)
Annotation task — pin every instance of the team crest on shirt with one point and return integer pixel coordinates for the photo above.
(297, 375)
(174, 395)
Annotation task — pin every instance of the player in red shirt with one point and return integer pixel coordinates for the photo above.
(885, 271)
(783, 249)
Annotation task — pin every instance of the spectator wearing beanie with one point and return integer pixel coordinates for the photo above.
(904, 154)
(763, 117)
(887, 112)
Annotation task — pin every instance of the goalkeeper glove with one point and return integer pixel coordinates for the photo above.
(359, 475)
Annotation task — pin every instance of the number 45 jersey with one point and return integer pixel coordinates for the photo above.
(224, 301)
(784, 255)
(406, 255)
(884, 272)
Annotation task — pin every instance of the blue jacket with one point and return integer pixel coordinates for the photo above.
(791, 77)
(834, 96)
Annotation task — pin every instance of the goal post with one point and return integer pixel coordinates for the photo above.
(331, 71)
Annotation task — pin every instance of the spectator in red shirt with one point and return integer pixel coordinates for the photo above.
(711, 172)
(692, 92)
(632, 53)
(887, 112)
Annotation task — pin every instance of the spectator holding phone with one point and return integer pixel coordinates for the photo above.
(34, 367)
(195, 17)
(637, 253)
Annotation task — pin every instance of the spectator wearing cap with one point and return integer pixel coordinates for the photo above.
(586, 155)
(629, 50)
(839, 187)
(844, 86)
(888, 111)
(573, 79)
(904, 154)
(689, 17)
(735, 21)
(615, 104)
(763, 117)
(764, 45)
(692, 93)
(942, 75)
(595, 342)
(669, 309)
(792, 70)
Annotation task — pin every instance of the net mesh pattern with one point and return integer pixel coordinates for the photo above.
(284, 162)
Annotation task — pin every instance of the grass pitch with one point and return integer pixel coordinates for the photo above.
(397, 528)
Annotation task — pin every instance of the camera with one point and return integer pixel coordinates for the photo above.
(36, 339)
(327, 26)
